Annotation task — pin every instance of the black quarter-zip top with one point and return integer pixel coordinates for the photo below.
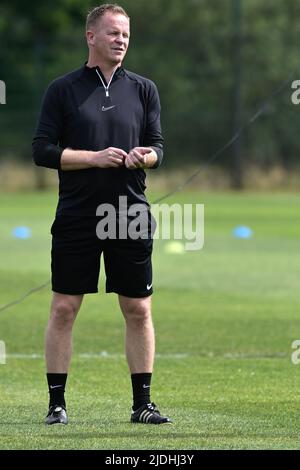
(82, 111)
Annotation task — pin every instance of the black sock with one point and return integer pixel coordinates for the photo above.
(141, 389)
(56, 385)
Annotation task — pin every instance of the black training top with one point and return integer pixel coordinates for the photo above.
(76, 113)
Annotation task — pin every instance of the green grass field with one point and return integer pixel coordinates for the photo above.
(225, 320)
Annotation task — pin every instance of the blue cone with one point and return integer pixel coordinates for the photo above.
(21, 232)
(242, 232)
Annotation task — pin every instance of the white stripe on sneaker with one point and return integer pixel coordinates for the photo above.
(144, 415)
(148, 417)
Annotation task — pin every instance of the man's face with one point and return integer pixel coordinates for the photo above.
(110, 38)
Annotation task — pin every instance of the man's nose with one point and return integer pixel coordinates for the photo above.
(120, 39)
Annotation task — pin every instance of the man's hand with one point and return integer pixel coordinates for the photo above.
(137, 158)
(82, 159)
(111, 157)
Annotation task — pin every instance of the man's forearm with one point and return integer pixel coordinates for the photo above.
(151, 158)
(76, 159)
(82, 159)
(156, 162)
(110, 157)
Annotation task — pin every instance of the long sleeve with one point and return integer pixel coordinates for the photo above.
(153, 135)
(45, 149)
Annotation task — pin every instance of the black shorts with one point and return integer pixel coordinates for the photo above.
(76, 253)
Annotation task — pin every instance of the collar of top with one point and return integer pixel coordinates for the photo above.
(95, 72)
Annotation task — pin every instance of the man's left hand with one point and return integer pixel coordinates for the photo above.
(137, 158)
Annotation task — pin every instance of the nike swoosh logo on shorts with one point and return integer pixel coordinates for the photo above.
(55, 386)
(149, 286)
(108, 108)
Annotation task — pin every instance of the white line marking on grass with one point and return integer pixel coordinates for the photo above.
(175, 356)
(101, 355)
(254, 355)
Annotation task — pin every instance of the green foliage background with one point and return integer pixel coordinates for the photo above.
(187, 49)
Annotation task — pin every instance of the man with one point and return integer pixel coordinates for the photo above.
(99, 126)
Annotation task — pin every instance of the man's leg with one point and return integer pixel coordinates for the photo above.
(140, 350)
(64, 309)
(139, 340)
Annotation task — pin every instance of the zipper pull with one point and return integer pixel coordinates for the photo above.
(107, 93)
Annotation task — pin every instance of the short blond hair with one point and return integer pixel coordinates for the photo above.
(96, 13)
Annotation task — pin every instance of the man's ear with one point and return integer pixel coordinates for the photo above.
(90, 37)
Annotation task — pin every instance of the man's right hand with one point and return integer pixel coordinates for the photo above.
(82, 159)
(111, 157)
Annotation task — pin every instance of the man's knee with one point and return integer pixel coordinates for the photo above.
(136, 310)
(64, 310)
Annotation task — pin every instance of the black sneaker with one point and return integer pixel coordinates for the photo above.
(148, 414)
(56, 415)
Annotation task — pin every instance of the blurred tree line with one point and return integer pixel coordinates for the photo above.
(215, 63)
